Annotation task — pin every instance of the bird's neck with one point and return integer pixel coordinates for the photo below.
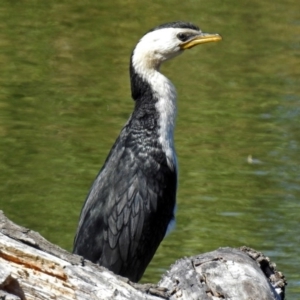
(151, 87)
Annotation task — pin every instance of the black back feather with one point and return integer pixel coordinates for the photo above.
(132, 200)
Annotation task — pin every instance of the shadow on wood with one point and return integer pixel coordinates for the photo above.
(33, 268)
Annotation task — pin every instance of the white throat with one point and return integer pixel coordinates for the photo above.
(165, 92)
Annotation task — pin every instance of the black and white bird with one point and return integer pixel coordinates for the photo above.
(131, 203)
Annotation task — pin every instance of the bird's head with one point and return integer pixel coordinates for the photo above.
(167, 41)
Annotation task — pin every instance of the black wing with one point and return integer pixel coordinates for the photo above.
(128, 209)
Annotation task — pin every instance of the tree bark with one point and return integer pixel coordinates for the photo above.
(33, 268)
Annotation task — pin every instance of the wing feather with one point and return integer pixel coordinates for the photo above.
(127, 212)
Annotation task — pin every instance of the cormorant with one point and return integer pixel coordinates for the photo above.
(131, 203)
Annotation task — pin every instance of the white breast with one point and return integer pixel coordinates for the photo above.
(164, 91)
(166, 107)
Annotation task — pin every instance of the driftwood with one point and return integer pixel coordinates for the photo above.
(33, 268)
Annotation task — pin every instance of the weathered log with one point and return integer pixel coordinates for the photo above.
(226, 273)
(33, 268)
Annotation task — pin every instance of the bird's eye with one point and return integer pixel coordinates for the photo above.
(183, 36)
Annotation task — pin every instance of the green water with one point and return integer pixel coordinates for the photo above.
(64, 96)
